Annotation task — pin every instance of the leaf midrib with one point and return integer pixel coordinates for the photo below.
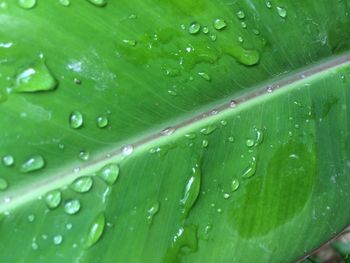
(19, 195)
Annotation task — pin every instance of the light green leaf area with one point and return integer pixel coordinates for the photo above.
(172, 130)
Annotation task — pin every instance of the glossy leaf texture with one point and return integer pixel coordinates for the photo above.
(172, 130)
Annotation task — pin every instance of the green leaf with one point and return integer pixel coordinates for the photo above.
(173, 130)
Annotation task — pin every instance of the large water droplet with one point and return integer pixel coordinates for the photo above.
(250, 170)
(282, 12)
(102, 121)
(53, 199)
(72, 207)
(96, 230)
(191, 191)
(27, 4)
(109, 173)
(35, 78)
(76, 119)
(8, 160)
(98, 2)
(194, 28)
(219, 24)
(34, 163)
(3, 184)
(82, 184)
(152, 211)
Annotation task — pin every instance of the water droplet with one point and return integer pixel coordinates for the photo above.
(194, 28)
(27, 4)
(259, 137)
(130, 42)
(191, 191)
(69, 226)
(219, 24)
(31, 218)
(282, 12)
(76, 119)
(127, 150)
(205, 76)
(208, 130)
(72, 207)
(82, 184)
(231, 139)
(84, 155)
(64, 2)
(96, 230)
(53, 199)
(98, 2)
(152, 211)
(223, 123)
(268, 4)
(213, 37)
(205, 30)
(168, 131)
(8, 160)
(250, 170)
(34, 163)
(191, 136)
(102, 121)
(205, 143)
(240, 14)
(109, 173)
(3, 184)
(35, 78)
(249, 143)
(243, 25)
(57, 240)
(234, 184)
(226, 196)
(35, 245)
(77, 81)
(233, 104)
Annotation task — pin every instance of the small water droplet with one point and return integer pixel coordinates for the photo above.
(223, 123)
(192, 190)
(233, 104)
(152, 211)
(84, 155)
(27, 4)
(96, 230)
(35, 78)
(57, 240)
(282, 12)
(205, 143)
(130, 42)
(53, 199)
(34, 163)
(205, 76)
(249, 143)
(231, 139)
(168, 131)
(35, 245)
(205, 30)
(219, 24)
(76, 119)
(208, 130)
(240, 39)
(234, 184)
(268, 4)
(213, 37)
(8, 160)
(99, 3)
(269, 89)
(69, 226)
(250, 170)
(64, 2)
(102, 121)
(226, 196)
(191, 136)
(3, 184)
(127, 150)
(72, 207)
(31, 218)
(110, 173)
(240, 14)
(82, 184)
(194, 28)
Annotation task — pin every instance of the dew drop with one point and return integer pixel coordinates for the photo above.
(152, 211)
(57, 240)
(102, 121)
(31, 218)
(205, 143)
(233, 104)
(205, 30)
(168, 131)
(27, 4)
(205, 76)
(3, 184)
(64, 2)
(127, 150)
(243, 25)
(192, 190)
(194, 28)
(268, 4)
(130, 42)
(99, 3)
(282, 12)
(35, 245)
(53, 199)
(249, 143)
(8, 160)
(250, 170)
(219, 24)
(110, 173)
(84, 155)
(96, 230)
(76, 119)
(231, 139)
(69, 226)
(191, 136)
(234, 184)
(240, 14)
(34, 163)
(35, 78)
(82, 184)
(72, 207)
(208, 130)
